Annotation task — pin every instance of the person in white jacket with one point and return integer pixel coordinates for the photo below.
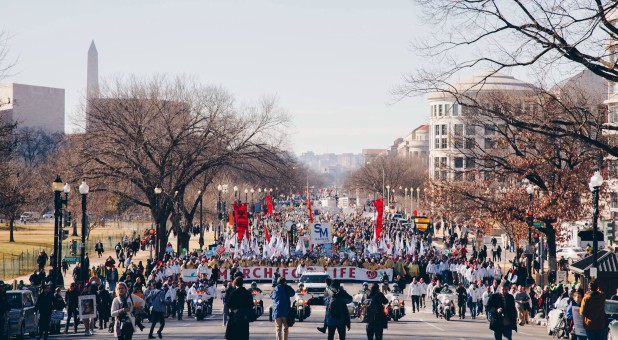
(423, 292)
(486, 294)
(475, 295)
(415, 291)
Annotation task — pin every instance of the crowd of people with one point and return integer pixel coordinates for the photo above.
(127, 291)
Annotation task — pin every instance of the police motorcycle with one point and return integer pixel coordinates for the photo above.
(446, 303)
(301, 303)
(360, 306)
(258, 303)
(202, 303)
(396, 305)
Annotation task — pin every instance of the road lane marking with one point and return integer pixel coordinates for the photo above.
(434, 326)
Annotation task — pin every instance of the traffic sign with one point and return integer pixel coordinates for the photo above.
(538, 225)
(72, 259)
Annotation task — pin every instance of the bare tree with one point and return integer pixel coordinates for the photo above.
(391, 171)
(172, 133)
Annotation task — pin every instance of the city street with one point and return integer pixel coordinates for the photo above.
(423, 325)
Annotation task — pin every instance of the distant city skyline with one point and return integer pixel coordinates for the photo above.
(332, 65)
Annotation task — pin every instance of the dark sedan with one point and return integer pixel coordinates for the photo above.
(22, 318)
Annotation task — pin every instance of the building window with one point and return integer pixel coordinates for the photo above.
(612, 112)
(443, 163)
(458, 162)
(458, 176)
(436, 162)
(436, 174)
(455, 109)
(469, 143)
(490, 130)
(437, 143)
(612, 170)
(489, 143)
(613, 200)
(447, 109)
(437, 130)
(470, 163)
(443, 175)
(444, 143)
(470, 130)
(458, 143)
(440, 110)
(444, 130)
(458, 129)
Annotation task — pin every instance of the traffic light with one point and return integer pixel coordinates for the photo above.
(67, 218)
(65, 234)
(535, 238)
(530, 217)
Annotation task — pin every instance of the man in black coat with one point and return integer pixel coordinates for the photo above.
(240, 300)
(72, 299)
(4, 307)
(44, 305)
(502, 313)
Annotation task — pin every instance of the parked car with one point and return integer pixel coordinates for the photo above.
(22, 318)
(571, 254)
(611, 311)
(48, 214)
(29, 216)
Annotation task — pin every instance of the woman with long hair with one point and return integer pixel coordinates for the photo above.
(122, 311)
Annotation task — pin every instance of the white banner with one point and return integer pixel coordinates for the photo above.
(189, 275)
(321, 233)
(339, 273)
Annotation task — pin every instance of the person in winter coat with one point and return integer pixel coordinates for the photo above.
(71, 299)
(593, 311)
(123, 312)
(156, 299)
(503, 315)
(44, 306)
(104, 305)
(281, 307)
(415, 291)
(376, 320)
(240, 302)
(337, 315)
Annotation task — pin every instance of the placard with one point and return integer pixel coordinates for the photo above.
(578, 322)
(87, 306)
(189, 275)
(350, 273)
(321, 233)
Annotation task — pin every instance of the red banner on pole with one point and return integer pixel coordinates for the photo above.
(379, 204)
(242, 219)
(310, 210)
(269, 204)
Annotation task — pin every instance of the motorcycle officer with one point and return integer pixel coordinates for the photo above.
(301, 289)
(256, 290)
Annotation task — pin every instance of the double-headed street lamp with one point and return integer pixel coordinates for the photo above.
(83, 190)
(246, 195)
(236, 194)
(58, 187)
(201, 240)
(595, 184)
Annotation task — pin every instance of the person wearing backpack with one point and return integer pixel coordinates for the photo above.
(156, 299)
(281, 307)
(376, 320)
(337, 315)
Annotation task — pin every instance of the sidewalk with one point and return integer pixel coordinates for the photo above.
(95, 261)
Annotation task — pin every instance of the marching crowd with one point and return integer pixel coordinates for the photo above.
(156, 291)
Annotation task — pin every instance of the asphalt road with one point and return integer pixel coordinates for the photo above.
(420, 325)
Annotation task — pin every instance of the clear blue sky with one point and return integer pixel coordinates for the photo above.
(331, 63)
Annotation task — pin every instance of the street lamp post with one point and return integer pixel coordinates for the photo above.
(157, 191)
(246, 195)
(201, 240)
(388, 196)
(57, 188)
(219, 211)
(83, 190)
(595, 184)
(530, 191)
(236, 193)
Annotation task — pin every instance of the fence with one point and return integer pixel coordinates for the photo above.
(16, 265)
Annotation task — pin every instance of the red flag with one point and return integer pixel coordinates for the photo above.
(379, 204)
(269, 204)
(266, 236)
(242, 219)
(310, 210)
